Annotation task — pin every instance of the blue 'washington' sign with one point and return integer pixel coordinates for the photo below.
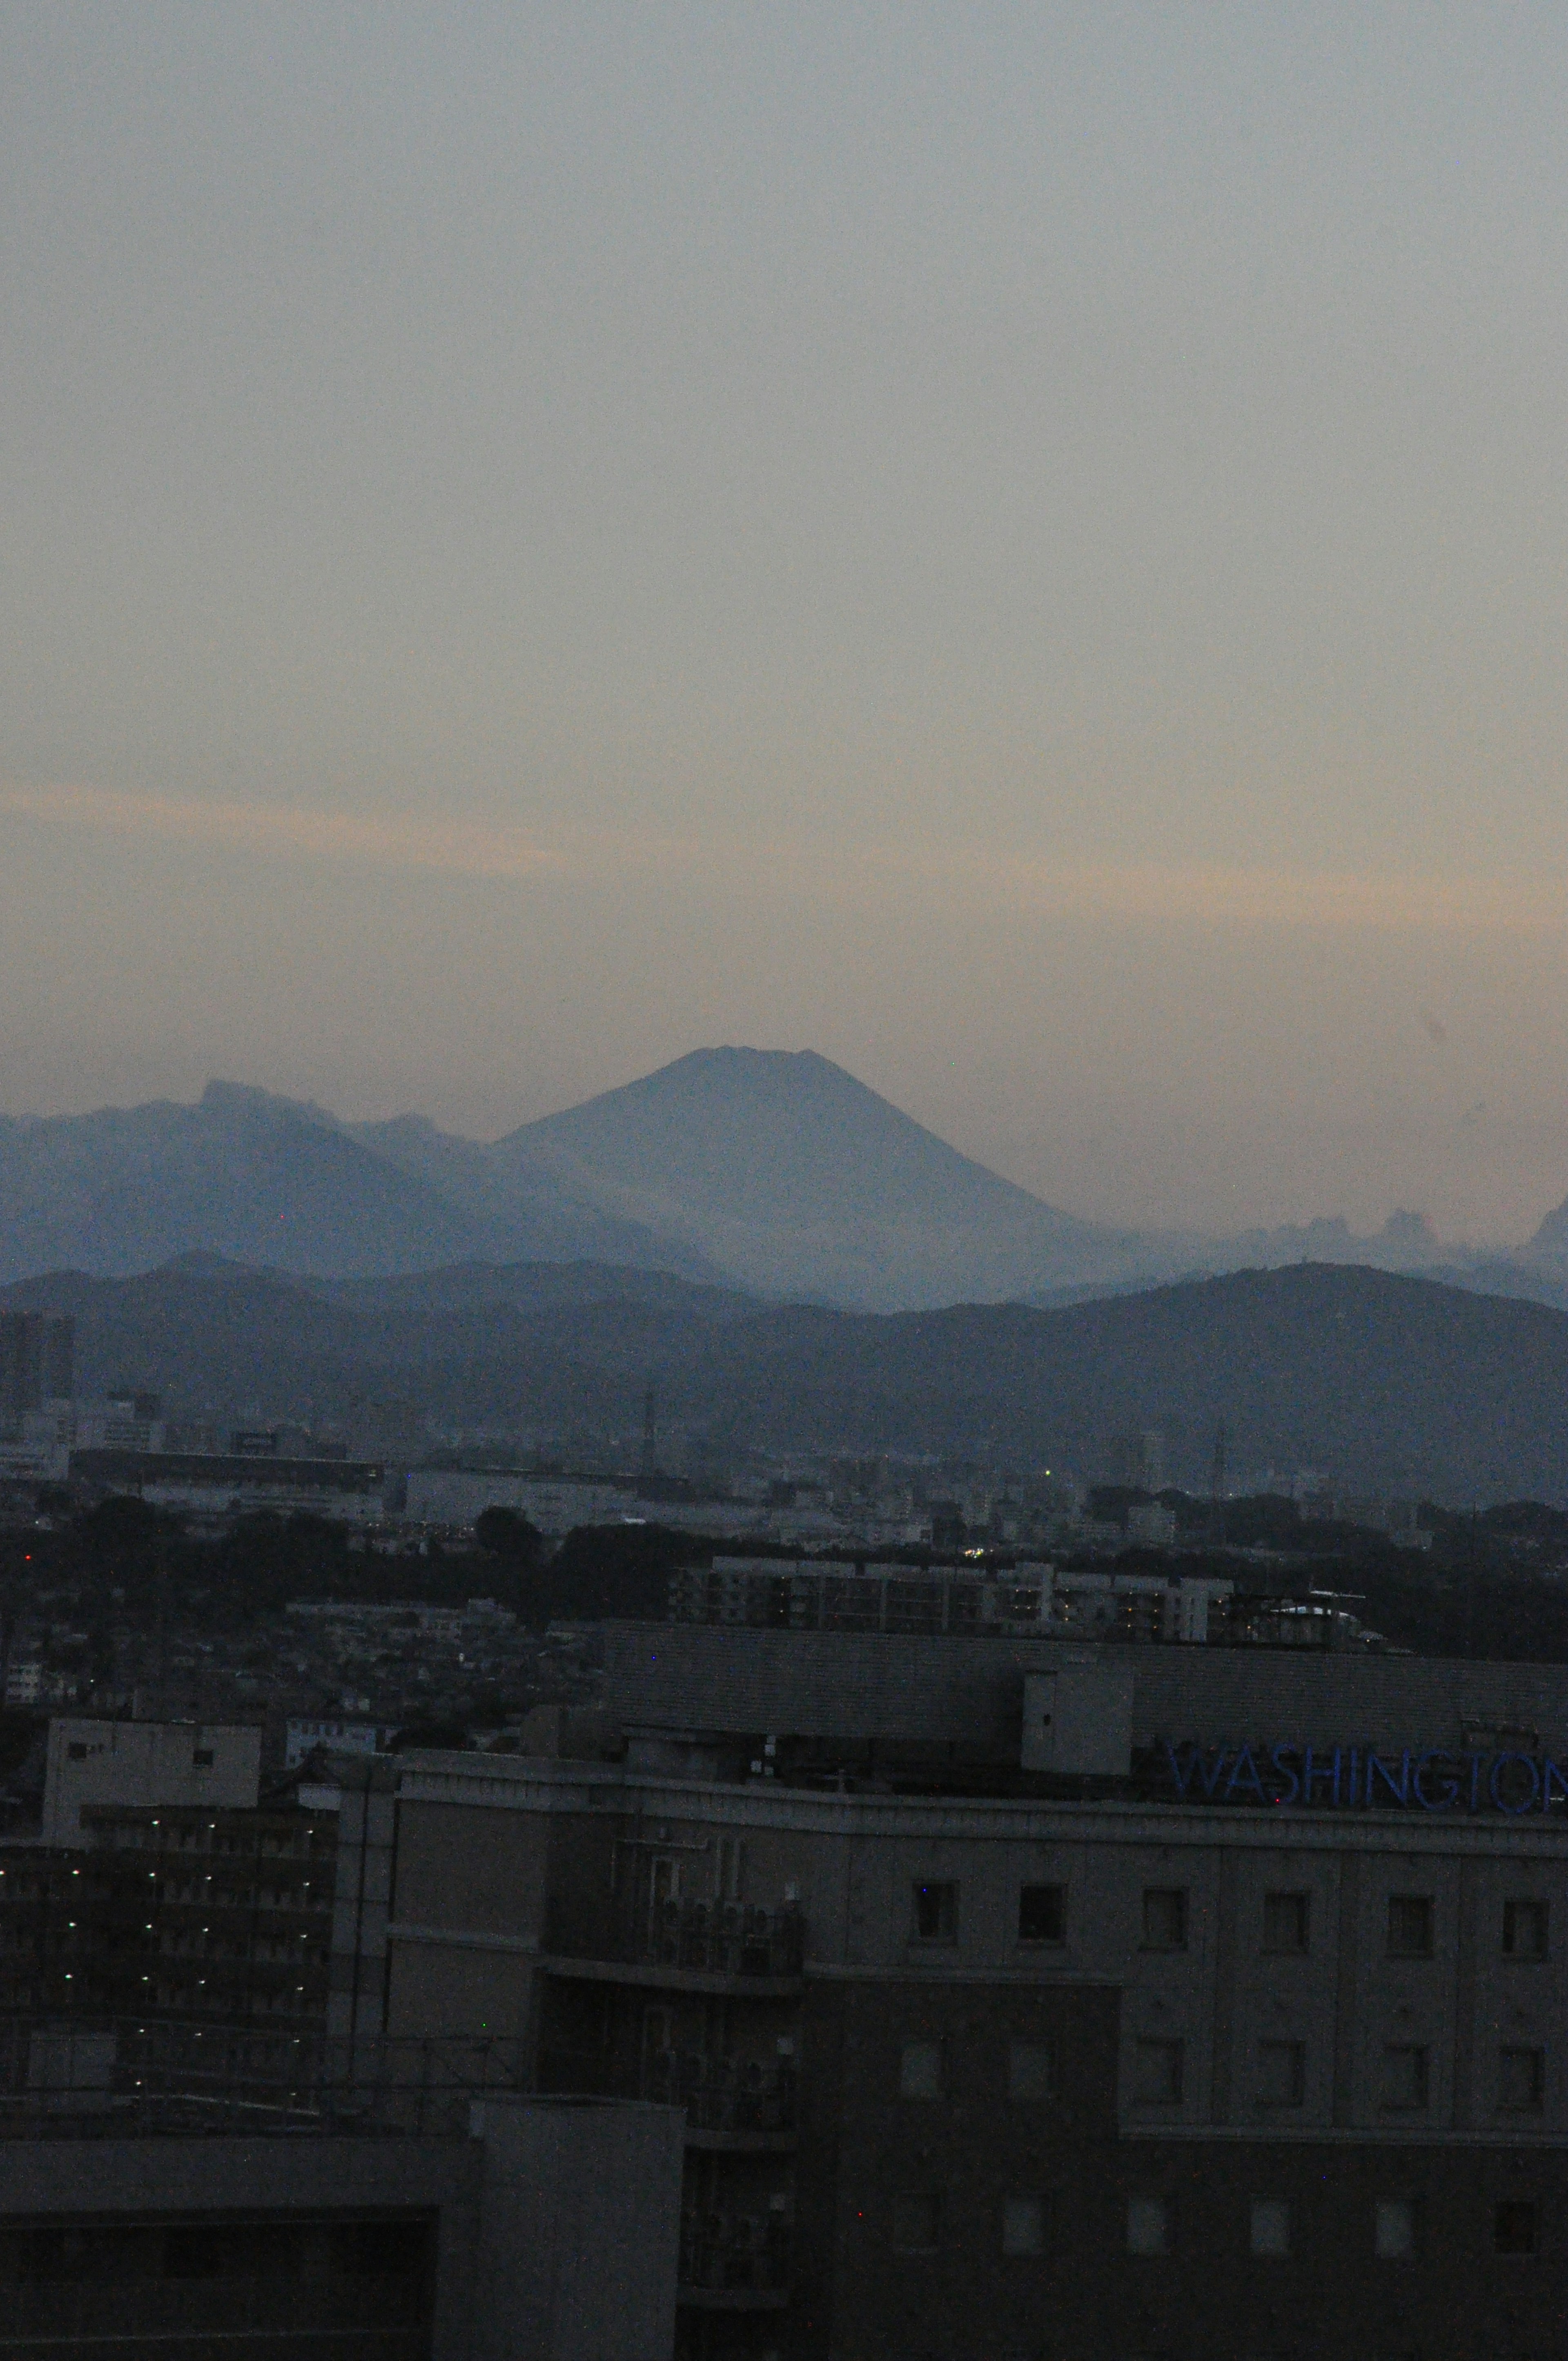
(1360, 1777)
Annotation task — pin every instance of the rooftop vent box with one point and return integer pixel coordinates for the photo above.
(1078, 1721)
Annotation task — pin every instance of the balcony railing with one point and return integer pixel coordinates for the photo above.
(730, 1939)
(735, 2253)
(734, 2096)
(722, 2095)
(73, 2078)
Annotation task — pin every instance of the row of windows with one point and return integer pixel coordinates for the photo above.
(1285, 1921)
(1404, 2079)
(919, 2221)
(1395, 2228)
(1404, 2085)
(1031, 2069)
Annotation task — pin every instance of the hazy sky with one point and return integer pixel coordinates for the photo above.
(1023, 548)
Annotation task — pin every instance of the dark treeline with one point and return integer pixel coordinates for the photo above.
(1460, 1607)
(129, 1563)
(1495, 1585)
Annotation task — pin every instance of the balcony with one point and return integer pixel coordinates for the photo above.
(728, 2102)
(737, 2104)
(697, 1947)
(734, 2262)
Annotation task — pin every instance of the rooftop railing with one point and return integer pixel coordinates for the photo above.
(124, 2077)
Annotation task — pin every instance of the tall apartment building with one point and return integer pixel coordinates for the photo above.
(178, 1913)
(37, 1353)
(200, 2153)
(1026, 1999)
(163, 1893)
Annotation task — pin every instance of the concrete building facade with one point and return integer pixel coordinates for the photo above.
(541, 2232)
(144, 1762)
(213, 1484)
(984, 2060)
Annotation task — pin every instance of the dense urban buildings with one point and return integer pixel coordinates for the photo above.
(1234, 2029)
(1014, 1991)
(226, 1484)
(208, 2144)
(37, 1365)
(1038, 1950)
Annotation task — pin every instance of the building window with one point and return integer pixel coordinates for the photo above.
(936, 1912)
(1031, 2069)
(917, 2222)
(1157, 2074)
(1042, 1914)
(1409, 1926)
(1524, 1929)
(201, 1758)
(1281, 2073)
(728, 1869)
(1394, 2228)
(1270, 2226)
(76, 1751)
(1165, 1919)
(1513, 2227)
(920, 2071)
(1521, 2082)
(1148, 2226)
(1286, 1921)
(1405, 2077)
(1023, 2225)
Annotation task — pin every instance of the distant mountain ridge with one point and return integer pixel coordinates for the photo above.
(284, 1184)
(775, 1171)
(800, 1180)
(1389, 1385)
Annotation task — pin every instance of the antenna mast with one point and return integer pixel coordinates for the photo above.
(1217, 1488)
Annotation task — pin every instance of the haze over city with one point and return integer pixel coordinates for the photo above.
(783, 1180)
(1018, 549)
